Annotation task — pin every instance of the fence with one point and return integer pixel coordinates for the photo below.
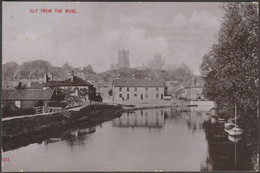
(45, 109)
(85, 104)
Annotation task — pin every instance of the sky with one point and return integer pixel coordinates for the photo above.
(180, 32)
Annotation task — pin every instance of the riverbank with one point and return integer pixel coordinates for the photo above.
(138, 105)
(24, 130)
(38, 126)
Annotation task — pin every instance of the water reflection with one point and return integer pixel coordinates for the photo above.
(145, 140)
(141, 118)
(225, 152)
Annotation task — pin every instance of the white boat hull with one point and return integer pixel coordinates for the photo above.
(228, 125)
(235, 131)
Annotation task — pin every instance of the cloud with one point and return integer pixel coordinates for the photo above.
(181, 32)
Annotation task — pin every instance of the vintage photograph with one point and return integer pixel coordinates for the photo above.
(130, 86)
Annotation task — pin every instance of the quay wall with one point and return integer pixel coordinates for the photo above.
(21, 126)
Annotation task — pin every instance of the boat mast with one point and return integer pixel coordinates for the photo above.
(235, 115)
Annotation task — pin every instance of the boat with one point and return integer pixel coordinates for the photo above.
(54, 139)
(221, 119)
(78, 132)
(87, 131)
(229, 125)
(131, 105)
(226, 130)
(235, 131)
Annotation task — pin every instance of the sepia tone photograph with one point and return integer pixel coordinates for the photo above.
(130, 86)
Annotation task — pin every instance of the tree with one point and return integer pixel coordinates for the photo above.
(34, 69)
(88, 69)
(230, 69)
(10, 70)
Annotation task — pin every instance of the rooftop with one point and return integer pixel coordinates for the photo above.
(138, 83)
(36, 85)
(76, 82)
(28, 95)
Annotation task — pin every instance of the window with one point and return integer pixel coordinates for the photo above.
(120, 88)
(127, 89)
(157, 88)
(157, 95)
(146, 95)
(127, 96)
(135, 95)
(135, 89)
(146, 88)
(120, 95)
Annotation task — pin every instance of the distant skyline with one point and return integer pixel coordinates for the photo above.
(182, 32)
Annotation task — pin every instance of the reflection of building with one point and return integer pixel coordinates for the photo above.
(123, 60)
(142, 118)
(138, 89)
(195, 119)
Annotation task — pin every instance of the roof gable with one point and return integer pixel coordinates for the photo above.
(36, 85)
(76, 82)
(9, 95)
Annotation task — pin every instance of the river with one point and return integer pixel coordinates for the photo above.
(166, 139)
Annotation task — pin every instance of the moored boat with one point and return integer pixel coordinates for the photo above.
(236, 131)
(87, 131)
(55, 139)
(82, 131)
(229, 125)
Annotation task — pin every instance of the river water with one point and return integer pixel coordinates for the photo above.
(166, 139)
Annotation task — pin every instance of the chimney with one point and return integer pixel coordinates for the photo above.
(72, 76)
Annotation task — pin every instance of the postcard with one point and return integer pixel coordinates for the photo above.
(130, 86)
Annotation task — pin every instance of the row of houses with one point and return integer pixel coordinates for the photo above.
(138, 89)
(192, 90)
(151, 90)
(51, 90)
(118, 90)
